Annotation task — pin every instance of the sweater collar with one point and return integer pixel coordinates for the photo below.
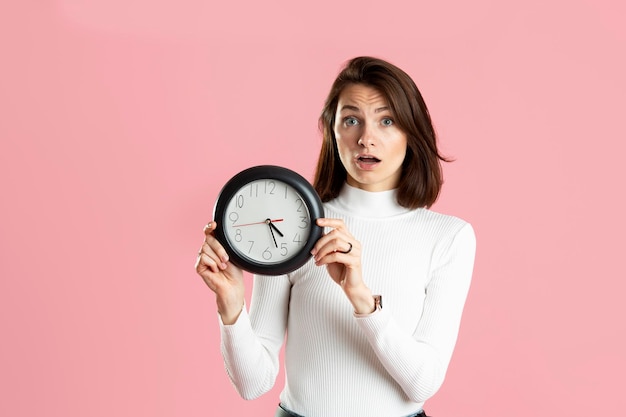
(361, 203)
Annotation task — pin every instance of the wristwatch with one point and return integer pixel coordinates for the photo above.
(378, 302)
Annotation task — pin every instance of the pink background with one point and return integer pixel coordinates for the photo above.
(120, 120)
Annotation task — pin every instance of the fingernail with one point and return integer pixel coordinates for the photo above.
(225, 258)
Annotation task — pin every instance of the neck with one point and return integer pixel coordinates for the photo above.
(369, 204)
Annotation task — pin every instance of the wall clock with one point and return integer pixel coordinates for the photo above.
(266, 219)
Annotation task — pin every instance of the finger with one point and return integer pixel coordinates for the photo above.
(335, 243)
(337, 226)
(207, 273)
(331, 241)
(216, 253)
(214, 244)
(332, 223)
(206, 263)
(209, 227)
(346, 251)
(337, 257)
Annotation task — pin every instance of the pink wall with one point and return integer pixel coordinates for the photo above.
(121, 120)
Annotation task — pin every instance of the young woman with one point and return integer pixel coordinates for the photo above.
(346, 353)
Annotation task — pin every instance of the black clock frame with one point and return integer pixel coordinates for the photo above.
(310, 199)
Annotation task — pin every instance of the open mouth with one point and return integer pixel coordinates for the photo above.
(367, 159)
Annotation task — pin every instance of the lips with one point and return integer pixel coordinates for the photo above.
(367, 162)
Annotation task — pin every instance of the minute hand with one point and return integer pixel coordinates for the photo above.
(272, 233)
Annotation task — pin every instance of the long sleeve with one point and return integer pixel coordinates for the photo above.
(387, 363)
(250, 347)
(418, 361)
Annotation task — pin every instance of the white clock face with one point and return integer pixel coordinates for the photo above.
(267, 221)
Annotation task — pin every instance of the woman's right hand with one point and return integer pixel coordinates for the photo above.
(221, 276)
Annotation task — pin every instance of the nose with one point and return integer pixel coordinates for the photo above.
(367, 136)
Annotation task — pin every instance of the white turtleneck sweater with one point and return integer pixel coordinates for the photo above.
(339, 364)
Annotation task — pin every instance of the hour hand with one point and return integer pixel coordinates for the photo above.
(276, 228)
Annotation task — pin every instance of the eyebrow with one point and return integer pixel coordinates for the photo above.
(355, 108)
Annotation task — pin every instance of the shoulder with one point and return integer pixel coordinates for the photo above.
(447, 228)
(442, 220)
(454, 236)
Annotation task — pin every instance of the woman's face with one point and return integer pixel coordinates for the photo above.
(371, 146)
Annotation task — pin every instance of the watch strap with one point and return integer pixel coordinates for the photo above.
(378, 302)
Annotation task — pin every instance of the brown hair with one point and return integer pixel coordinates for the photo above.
(421, 178)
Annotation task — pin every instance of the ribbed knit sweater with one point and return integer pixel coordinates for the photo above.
(339, 364)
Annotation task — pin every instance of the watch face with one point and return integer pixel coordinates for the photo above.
(266, 219)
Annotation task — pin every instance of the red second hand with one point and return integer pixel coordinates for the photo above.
(263, 222)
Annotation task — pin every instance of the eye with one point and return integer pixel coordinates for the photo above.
(387, 121)
(350, 121)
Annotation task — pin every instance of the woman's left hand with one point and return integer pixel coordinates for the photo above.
(341, 253)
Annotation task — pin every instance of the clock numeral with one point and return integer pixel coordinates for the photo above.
(283, 249)
(304, 222)
(254, 190)
(300, 205)
(297, 239)
(271, 186)
(239, 201)
(267, 255)
(251, 242)
(238, 236)
(286, 189)
(233, 216)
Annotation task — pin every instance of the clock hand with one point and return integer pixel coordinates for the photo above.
(263, 222)
(269, 224)
(276, 228)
